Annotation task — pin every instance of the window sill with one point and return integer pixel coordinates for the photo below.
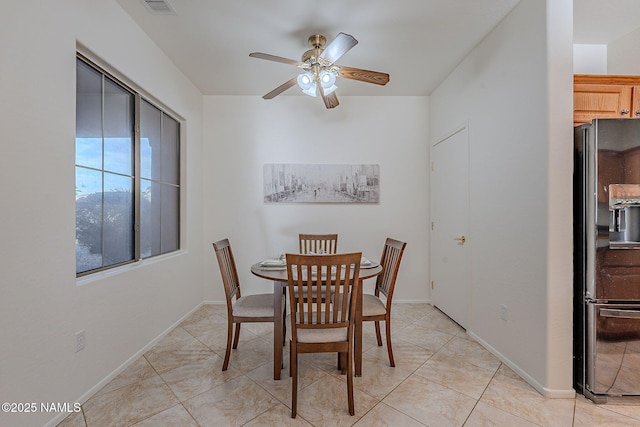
(100, 275)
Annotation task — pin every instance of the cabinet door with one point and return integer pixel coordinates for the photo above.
(592, 101)
(635, 102)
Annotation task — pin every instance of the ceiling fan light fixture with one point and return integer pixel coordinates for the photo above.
(310, 91)
(307, 84)
(327, 79)
(329, 90)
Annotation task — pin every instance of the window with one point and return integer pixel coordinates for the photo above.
(127, 182)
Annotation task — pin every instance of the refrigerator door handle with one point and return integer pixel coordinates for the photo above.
(620, 314)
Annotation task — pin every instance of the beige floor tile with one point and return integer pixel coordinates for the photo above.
(430, 403)
(589, 414)
(233, 403)
(325, 403)
(513, 395)
(369, 339)
(429, 339)
(440, 322)
(278, 416)
(130, 404)
(281, 389)
(174, 416)
(470, 352)
(172, 339)
(139, 370)
(206, 310)
(252, 354)
(74, 420)
(484, 415)
(456, 374)
(631, 410)
(201, 325)
(168, 357)
(327, 362)
(378, 380)
(440, 374)
(215, 337)
(407, 356)
(263, 330)
(385, 416)
(410, 312)
(197, 376)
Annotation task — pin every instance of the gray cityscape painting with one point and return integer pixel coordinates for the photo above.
(321, 183)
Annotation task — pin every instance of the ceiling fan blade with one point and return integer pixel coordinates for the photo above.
(367, 76)
(277, 91)
(331, 100)
(338, 47)
(268, 57)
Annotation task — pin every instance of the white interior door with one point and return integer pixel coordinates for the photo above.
(450, 226)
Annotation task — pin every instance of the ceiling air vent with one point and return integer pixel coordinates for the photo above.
(159, 7)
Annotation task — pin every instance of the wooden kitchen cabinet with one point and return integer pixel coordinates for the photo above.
(605, 96)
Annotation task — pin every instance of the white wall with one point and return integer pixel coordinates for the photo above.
(241, 134)
(520, 187)
(624, 55)
(41, 305)
(590, 59)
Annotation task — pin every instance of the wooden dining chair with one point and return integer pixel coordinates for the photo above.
(375, 308)
(240, 309)
(318, 243)
(321, 327)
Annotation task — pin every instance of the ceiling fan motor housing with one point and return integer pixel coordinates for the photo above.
(311, 56)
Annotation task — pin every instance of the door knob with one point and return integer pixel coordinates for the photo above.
(460, 239)
(625, 111)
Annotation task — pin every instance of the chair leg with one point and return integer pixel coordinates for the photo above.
(284, 329)
(387, 324)
(284, 317)
(352, 410)
(227, 353)
(294, 386)
(378, 333)
(237, 336)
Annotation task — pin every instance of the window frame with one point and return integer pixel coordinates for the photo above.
(139, 97)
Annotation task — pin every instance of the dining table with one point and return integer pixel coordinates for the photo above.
(278, 275)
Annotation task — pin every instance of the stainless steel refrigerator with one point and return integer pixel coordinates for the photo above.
(607, 258)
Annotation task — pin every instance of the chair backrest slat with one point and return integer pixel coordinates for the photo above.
(309, 274)
(318, 243)
(228, 270)
(390, 260)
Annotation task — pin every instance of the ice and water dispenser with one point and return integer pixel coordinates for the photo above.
(624, 216)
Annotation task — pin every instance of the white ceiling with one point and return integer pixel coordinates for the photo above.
(418, 42)
(603, 21)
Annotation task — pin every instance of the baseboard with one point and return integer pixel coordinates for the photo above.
(82, 399)
(411, 301)
(544, 391)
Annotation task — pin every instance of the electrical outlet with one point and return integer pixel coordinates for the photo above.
(79, 340)
(504, 312)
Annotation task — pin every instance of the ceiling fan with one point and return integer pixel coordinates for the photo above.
(320, 70)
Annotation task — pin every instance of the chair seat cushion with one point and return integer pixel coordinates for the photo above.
(258, 305)
(372, 306)
(314, 292)
(318, 335)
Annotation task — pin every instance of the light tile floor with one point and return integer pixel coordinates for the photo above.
(442, 378)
